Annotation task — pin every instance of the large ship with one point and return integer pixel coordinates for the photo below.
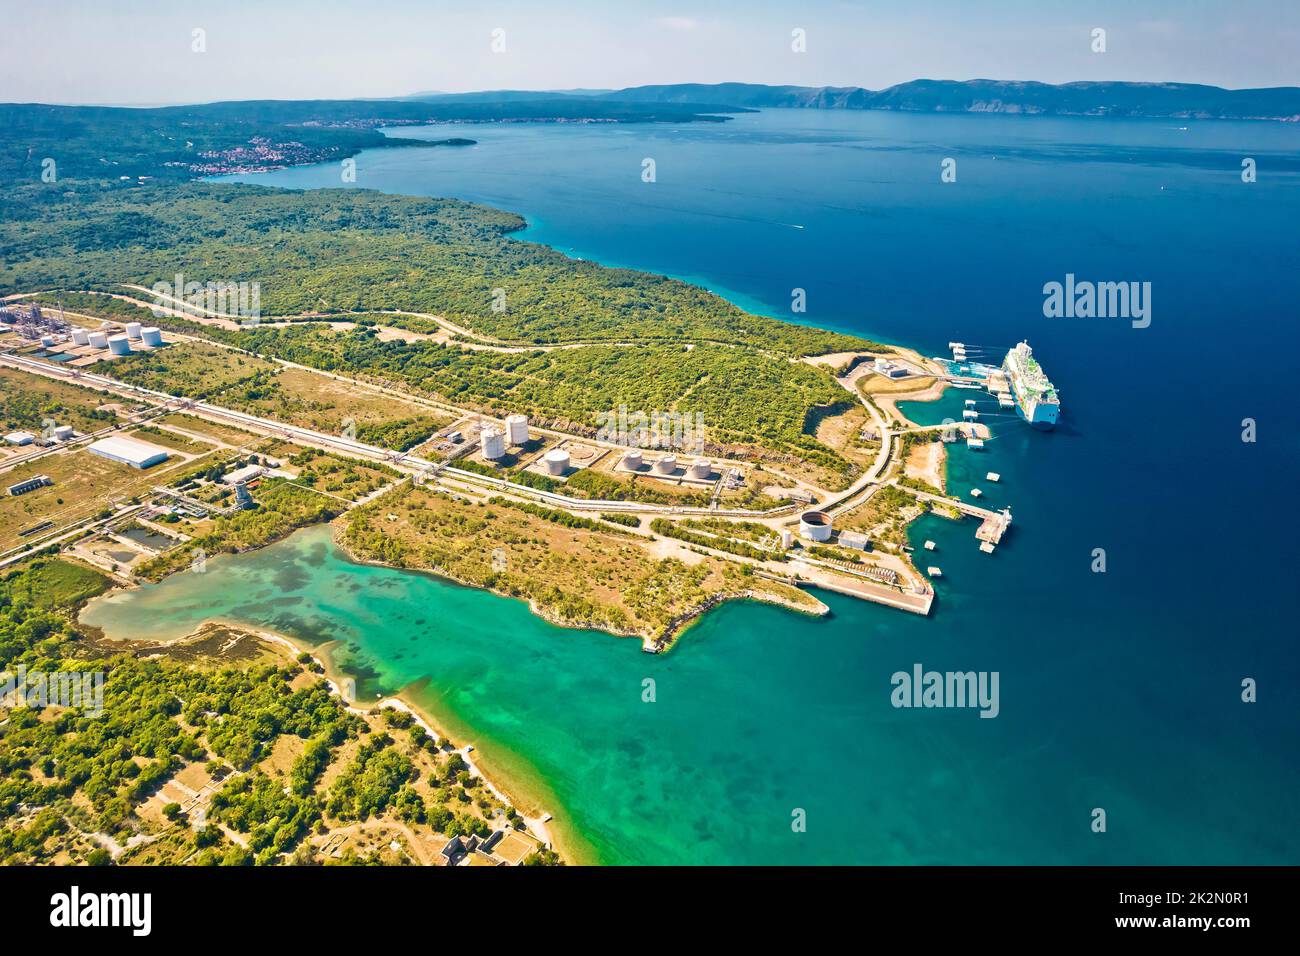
(1036, 399)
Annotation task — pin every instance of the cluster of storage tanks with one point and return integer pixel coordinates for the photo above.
(118, 344)
(700, 469)
(494, 441)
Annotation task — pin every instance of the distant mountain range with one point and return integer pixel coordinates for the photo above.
(1157, 100)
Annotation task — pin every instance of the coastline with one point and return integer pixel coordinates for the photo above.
(539, 821)
(651, 643)
(532, 815)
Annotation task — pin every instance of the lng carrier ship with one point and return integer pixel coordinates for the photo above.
(1035, 397)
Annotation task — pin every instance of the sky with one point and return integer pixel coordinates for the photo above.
(143, 51)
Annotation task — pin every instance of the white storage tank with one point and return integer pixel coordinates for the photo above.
(151, 335)
(787, 538)
(47, 341)
(494, 444)
(517, 430)
(556, 461)
(701, 468)
(632, 460)
(80, 337)
(63, 433)
(815, 526)
(119, 345)
(666, 465)
(133, 330)
(98, 340)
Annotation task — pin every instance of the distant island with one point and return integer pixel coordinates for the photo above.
(1153, 100)
(177, 142)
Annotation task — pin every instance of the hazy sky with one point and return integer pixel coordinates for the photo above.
(139, 51)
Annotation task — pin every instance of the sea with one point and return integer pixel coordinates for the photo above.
(1140, 615)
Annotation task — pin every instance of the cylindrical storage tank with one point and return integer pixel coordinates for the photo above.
(815, 526)
(119, 345)
(151, 336)
(80, 337)
(701, 468)
(63, 432)
(133, 330)
(494, 444)
(632, 460)
(47, 341)
(517, 430)
(787, 538)
(666, 465)
(556, 461)
(98, 339)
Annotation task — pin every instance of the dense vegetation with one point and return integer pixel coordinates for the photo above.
(335, 250)
(26, 403)
(171, 142)
(74, 783)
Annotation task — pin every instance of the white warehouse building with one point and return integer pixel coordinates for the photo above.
(130, 451)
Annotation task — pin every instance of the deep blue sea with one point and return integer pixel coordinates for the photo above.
(1119, 690)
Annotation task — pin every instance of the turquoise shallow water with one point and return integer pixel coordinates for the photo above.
(758, 712)
(1118, 690)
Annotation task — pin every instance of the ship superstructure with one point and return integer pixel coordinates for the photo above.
(1035, 396)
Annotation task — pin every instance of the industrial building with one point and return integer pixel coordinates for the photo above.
(241, 475)
(517, 430)
(129, 451)
(243, 500)
(63, 433)
(20, 438)
(30, 484)
(888, 368)
(854, 539)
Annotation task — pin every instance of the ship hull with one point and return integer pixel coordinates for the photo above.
(1043, 422)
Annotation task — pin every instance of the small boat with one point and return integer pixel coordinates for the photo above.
(934, 572)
